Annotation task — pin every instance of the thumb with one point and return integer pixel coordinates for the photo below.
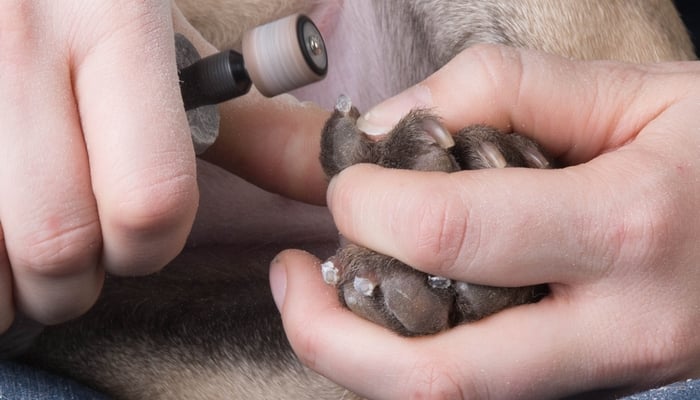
(574, 109)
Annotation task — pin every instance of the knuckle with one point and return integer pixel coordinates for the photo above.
(306, 351)
(441, 232)
(433, 379)
(668, 347)
(648, 230)
(305, 343)
(153, 206)
(60, 246)
(495, 62)
(644, 230)
(141, 26)
(138, 16)
(485, 51)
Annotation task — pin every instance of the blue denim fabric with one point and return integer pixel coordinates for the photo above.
(685, 390)
(20, 382)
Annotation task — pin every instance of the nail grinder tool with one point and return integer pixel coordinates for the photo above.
(276, 58)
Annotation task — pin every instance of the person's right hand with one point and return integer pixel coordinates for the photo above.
(98, 171)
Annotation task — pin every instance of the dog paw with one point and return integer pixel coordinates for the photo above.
(387, 292)
(418, 141)
(383, 289)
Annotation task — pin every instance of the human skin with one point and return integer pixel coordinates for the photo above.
(80, 154)
(98, 170)
(614, 234)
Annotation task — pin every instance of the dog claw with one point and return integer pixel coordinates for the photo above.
(343, 104)
(364, 286)
(439, 282)
(493, 157)
(438, 132)
(330, 273)
(536, 158)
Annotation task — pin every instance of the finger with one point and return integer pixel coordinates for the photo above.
(575, 109)
(503, 227)
(48, 213)
(538, 350)
(273, 143)
(319, 347)
(141, 157)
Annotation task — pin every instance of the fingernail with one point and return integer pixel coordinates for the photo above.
(380, 119)
(278, 282)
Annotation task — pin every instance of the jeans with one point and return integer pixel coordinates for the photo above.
(684, 390)
(20, 382)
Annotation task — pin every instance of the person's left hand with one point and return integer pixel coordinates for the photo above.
(614, 235)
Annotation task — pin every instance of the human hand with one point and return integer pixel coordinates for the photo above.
(614, 235)
(98, 169)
